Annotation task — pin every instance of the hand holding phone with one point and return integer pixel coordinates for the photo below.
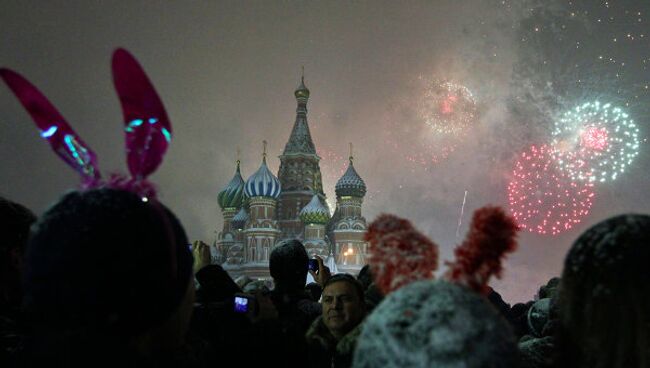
(322, 272)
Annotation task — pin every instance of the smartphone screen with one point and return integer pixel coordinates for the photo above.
(313, 265)
(241, 304)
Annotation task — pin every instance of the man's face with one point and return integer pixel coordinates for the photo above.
(342, 308)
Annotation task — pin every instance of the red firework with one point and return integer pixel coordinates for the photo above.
(543, 198)
(594, 138)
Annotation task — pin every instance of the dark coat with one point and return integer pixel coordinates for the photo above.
(296, 312)
(325, 351)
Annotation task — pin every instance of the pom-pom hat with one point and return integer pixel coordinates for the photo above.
(444, 323)
(435, 324)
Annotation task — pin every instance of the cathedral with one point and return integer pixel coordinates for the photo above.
(265, 209)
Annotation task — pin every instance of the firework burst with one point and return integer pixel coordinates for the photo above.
(542, 197)
(431, 122)
(447, 108)
(601, 137)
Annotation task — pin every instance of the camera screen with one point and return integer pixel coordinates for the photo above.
(241, 304)
(313, 265)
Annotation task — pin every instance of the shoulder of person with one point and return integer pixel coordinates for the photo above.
(348, 343)
(319, 336)
(310, 307)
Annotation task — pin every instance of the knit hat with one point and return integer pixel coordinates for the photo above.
(435, 324)
(610, 254)
(104, 260)
(288, 264)
(603, 296)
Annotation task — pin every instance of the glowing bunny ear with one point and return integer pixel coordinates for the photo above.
(63, 140)
(148, 130)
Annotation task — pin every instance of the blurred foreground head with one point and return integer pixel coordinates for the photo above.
(103, 262)
(15, 221)
(604, 297)
(435, 324)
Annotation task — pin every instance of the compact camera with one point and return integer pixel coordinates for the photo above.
(244, 303)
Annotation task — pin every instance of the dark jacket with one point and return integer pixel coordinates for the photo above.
(325, 351)
(296, 312)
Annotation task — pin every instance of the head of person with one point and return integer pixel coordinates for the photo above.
(103, 263)
(604, 296)
(288, 265)
(242, 281)
(315, 290)
(435, 324)
(365, 277)
(257, 286)
(343, 303)
(15, 221)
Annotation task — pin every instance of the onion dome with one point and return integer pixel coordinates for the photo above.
(239, 220)
(314, 212)
(302, 92)
(263, 183)
(232, 195)
(350, 184)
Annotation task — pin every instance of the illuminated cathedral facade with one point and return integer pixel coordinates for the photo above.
(265, 209)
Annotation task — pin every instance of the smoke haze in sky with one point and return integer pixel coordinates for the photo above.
(226, 72)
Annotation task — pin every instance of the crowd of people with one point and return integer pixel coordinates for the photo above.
(104, 278)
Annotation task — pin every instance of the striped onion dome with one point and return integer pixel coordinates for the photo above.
(350, 184)
(232, 196)
(314, 212)
(263, 183)
(239, 221)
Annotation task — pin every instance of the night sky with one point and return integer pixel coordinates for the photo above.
(226, 72)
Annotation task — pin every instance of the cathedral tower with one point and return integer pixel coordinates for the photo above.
(230, 200)
(299, 171)
(349, 226)
(261, 232)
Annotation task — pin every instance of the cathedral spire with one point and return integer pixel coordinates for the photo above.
(300, 140)
(238, 158)
(264, 152)
(351, 157)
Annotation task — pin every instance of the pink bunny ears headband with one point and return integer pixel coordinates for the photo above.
(401, 254)
(147, 127)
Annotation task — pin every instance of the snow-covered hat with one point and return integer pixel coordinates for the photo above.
(448, 323)
(435, 324)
